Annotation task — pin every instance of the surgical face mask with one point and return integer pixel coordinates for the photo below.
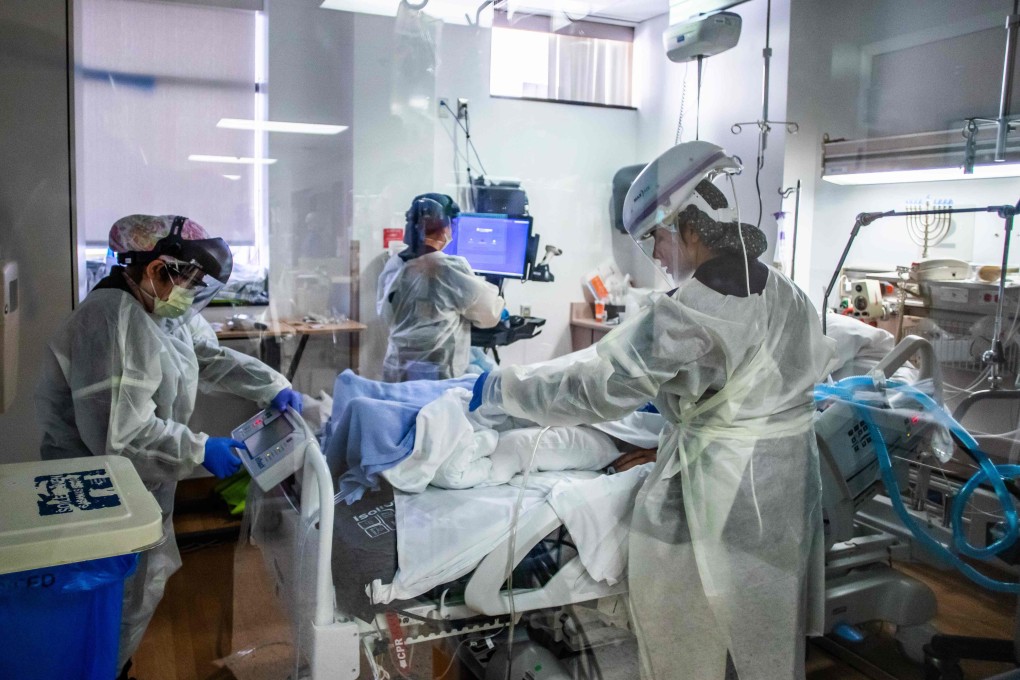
(177, 303)
(440, 242)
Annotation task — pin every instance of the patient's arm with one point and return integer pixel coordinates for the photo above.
(633, 459)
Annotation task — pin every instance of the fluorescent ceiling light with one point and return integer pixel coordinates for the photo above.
(999, 170)
(280, 126)
(202, 158)
(233, 178)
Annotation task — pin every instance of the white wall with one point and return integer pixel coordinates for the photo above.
(731, 93)
(35, 207)
(565, 155)
(833, 48)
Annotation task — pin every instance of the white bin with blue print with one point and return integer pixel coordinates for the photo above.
(70, 533)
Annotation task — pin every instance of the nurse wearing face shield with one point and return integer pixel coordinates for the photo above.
(122, 373)
(432, 299)
(726, 550)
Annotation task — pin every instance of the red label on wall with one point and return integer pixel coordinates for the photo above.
(392, 235)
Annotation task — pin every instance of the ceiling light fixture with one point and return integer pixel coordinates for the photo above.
(280, 126)
(924, 157)
(203, 158)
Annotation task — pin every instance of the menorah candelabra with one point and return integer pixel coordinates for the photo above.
(930, 225)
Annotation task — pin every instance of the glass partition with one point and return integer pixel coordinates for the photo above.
(416, 194)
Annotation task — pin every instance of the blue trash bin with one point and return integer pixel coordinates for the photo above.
(63, 621)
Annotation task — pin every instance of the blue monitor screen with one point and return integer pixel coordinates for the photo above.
(496, 245)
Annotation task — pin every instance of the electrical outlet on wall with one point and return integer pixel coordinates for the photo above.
(462, 105)
(526, 311)
(444, 103)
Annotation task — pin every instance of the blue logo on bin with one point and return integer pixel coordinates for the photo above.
(75, 492)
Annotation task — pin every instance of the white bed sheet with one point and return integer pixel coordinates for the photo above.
(443, 534)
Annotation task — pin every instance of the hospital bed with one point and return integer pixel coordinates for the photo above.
(293, 531)
(298, 553)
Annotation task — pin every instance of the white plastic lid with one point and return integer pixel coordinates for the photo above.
(72, 510)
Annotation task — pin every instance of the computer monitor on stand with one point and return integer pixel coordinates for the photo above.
(498, 247)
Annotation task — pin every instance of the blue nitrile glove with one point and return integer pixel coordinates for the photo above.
(287, 397)
(504, 315)
(220, 458)
(476, 391)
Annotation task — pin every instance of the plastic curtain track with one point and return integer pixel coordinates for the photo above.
(850, 390)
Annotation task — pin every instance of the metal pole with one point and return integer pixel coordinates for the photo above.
(1006, 93)
(995, 357)
(796, 221)
(697, 118)
(767, 53)
(839, 268)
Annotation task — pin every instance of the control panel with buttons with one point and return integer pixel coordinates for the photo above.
(275, 443)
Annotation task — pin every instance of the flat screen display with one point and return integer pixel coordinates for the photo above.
(496, 245)
(268, 436)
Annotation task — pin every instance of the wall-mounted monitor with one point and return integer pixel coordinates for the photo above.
(494, 245)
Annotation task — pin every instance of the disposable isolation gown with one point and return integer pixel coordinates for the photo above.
(434, 300)
(726, 539)
(119, 381)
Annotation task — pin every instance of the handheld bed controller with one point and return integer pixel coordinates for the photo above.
(276, 442)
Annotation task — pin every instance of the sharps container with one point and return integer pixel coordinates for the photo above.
(70, 534)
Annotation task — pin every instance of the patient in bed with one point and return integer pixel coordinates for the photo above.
(399, 542)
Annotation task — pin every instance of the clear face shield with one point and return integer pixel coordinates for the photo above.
(197, 268)
(428, 224)
(674, 201)
(196, 284)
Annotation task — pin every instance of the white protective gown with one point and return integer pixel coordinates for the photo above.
(434, 301)
(726, 541)
(119, 381)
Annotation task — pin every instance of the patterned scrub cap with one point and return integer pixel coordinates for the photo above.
(723, 237)
(139, 233)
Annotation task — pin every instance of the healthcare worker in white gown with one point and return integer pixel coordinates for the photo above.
(726, 549)
(122, 373)
(432, 299)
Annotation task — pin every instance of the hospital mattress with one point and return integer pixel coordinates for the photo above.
(364, 548)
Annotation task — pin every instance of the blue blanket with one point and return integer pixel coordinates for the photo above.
(372, 427)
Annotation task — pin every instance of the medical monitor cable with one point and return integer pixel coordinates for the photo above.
(683, 107)
(512, 549)
(467, 133)
(747, 281)
(743, 246)
(457, 157)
